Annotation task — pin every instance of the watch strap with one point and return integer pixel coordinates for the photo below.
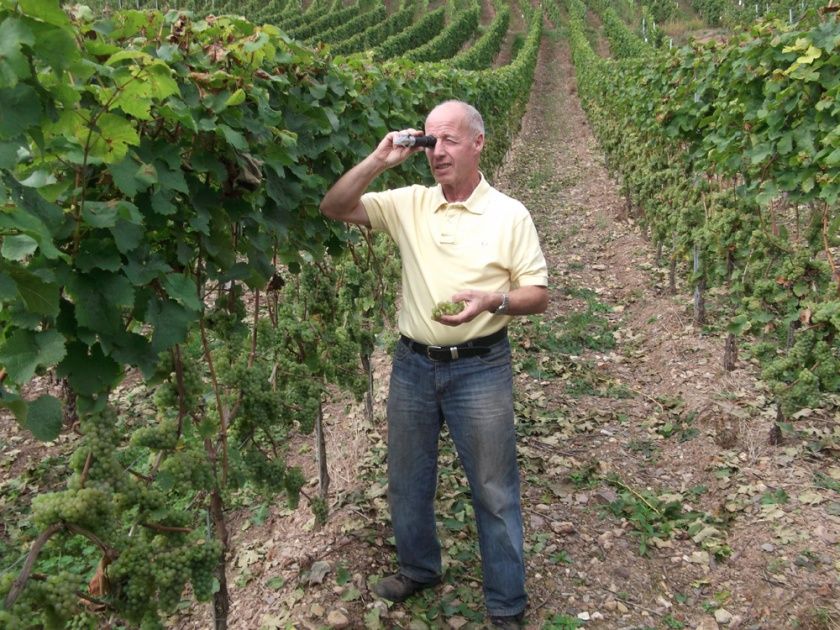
(502, 309)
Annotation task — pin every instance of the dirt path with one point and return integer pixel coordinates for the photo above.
(516, 29)
(595, 32)
(488, 12)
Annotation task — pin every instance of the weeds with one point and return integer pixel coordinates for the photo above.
(821, 480)
(657, 517)
(586, 476)
(646, 448)
(680, 426)
(562, 622)
(818, 619)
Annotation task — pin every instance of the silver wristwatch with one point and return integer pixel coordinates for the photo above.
(502, 309)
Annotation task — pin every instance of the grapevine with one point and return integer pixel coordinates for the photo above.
(748, 200)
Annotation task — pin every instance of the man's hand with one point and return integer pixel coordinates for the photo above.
(475, 303)
(390, 154)
(527, 300)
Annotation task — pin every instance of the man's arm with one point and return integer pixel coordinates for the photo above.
(343, 201)
(528, 300)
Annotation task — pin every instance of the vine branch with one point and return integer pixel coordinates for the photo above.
(222, 415)
(23, 577)
(834, 271)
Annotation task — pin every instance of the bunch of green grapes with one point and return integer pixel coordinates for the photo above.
(57, 596)
(189, 470)
(269, 474)
(161, 437)
(100, 437)
(260, 406)
(827, 365)
(321, 509)
(171, 571)
(95, 461)
(227, 316)
(88, 507)
(293, 482)
(147, 499)
(9, 619)
(6, 580)
(204, 558)
(299, 395)
(166, 394)
(131, 579)
(83, 621)
(800, 376)
(447, 308)
(340, 362)
(151, 574)
(100, 430)
(49, 603)
(803, 392)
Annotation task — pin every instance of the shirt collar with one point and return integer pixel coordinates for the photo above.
(472, 203)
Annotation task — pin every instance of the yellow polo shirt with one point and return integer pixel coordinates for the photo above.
(486, 243)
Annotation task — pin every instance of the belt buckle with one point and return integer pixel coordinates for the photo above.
(430, 349)
(453, 352)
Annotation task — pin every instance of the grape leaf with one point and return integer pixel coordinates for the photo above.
(39, 296)
(18, 247)
(44, 418)
(21, 109)
(24, 351)
(47, 10)
(114, 134)
(13, 64)
(182, 289)
(88, 370)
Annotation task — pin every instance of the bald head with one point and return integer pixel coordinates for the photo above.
(454, 158)
(470, 116)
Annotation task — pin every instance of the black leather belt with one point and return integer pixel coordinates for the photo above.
(472, 348)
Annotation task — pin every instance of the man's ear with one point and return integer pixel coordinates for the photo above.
(479, 142)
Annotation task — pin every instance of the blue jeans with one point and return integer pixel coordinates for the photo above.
(474, 396)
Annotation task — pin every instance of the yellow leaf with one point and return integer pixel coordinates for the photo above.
(810, 497)
(812, 53)
(801, 44)
(237, 98)
(272, 622)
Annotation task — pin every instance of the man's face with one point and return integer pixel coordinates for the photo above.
(454, 158)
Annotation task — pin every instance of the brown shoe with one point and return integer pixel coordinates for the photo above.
(398, 587)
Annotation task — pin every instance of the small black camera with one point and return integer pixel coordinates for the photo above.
(407, 140)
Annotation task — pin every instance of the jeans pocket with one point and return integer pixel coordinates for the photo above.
(401, 351)
(499, 354)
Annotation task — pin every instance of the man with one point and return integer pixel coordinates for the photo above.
(460, 241)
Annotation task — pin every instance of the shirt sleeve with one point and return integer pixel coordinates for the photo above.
(528, 262)
(381, 208)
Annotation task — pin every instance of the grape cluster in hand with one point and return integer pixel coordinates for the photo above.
(447, 308)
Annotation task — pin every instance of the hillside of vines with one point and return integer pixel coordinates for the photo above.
(181, 329)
